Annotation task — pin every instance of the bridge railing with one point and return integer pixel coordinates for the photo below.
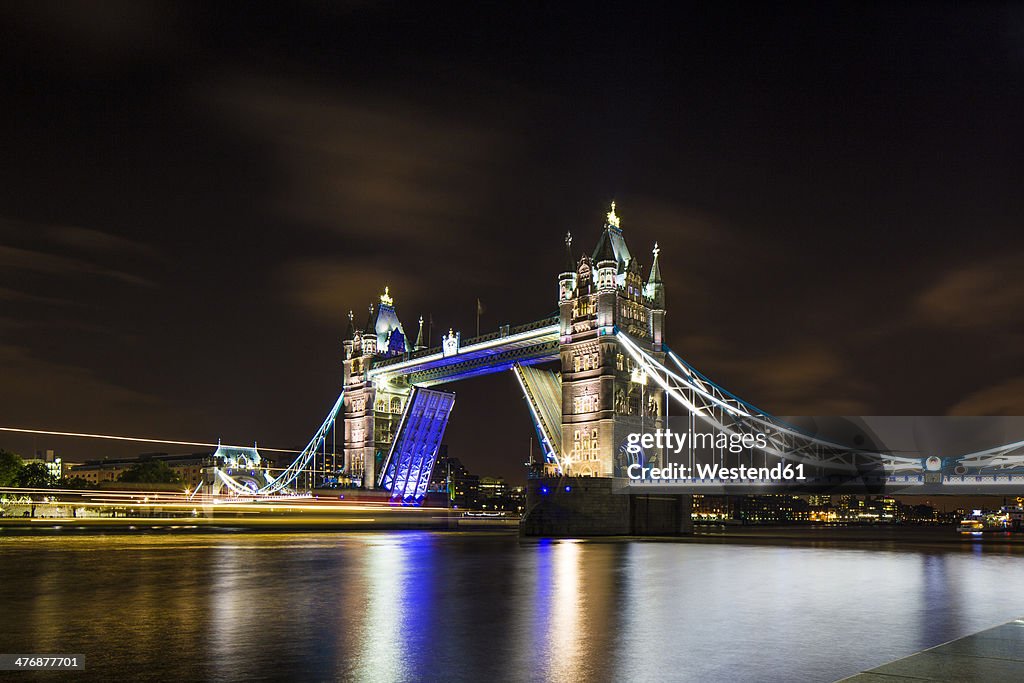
(501, 333)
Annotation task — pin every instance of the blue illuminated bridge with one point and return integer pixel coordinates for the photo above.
(591, 375)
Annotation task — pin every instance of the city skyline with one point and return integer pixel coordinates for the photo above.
(191, 219)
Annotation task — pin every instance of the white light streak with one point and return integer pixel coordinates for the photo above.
(139, 439)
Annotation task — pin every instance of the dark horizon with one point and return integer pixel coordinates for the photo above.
(194, 201)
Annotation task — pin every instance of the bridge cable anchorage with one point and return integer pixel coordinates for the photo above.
(728, 414)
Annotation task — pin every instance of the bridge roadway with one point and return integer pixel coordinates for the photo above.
(535, 342)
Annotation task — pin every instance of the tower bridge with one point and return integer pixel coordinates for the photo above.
(592, 375)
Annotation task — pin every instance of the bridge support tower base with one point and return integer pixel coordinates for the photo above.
(563, 507)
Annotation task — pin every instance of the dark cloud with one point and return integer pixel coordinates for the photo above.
(97, 241)
(14, 259)
(803, 379)
(7, 294)
(83, 34)
(1005, 398)
(84, 400)
(369, 167)
(988, 294)
(328, 289)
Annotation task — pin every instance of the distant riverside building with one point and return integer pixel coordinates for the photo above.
(54, 464)
(496, 495)
(451, 476)
(815, 508)
(492, 487)
(767, 509)
(188, 466)
(465, 490)
(713, 508)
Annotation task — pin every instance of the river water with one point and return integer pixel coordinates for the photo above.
(423, 606)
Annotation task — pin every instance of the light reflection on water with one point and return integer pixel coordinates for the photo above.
(410, 606)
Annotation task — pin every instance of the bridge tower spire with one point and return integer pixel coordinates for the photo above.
(655, 291)
(351, 326)
(567, 279)
(419, 338)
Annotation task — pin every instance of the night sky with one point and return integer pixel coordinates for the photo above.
(193, 196)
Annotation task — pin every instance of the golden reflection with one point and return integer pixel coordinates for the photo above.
(381, 654)
(564, 641)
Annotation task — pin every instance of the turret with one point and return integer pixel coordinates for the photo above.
(370, 335)
(350, 337)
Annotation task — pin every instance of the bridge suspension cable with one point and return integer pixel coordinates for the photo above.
(292, 472)
(288, 476)
(726, 413)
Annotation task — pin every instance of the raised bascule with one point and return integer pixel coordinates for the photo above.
(591, 376)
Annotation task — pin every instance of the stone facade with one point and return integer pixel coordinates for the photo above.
(371, 413)
(604, 396)
(588, 506)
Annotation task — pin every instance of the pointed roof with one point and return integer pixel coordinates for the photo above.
(604, 251)
(570, 263)
(419, 335)
(611, 246)
(655, 277)
(369, 323)
(387, 324)
(351, 333)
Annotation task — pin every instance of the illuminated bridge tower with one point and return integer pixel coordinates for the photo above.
(604, 396)
(372, 413)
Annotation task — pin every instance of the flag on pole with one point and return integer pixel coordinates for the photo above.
(479, 307)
